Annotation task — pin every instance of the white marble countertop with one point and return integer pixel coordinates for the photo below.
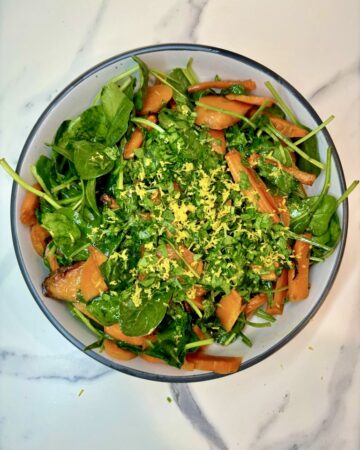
(306, 396)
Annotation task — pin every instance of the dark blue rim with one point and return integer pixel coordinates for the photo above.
(159, 48)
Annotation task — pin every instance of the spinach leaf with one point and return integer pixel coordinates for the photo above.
(276, 111)
(172, 337)
(90, 194)
(142, 319)
(60, 224)
(301, 212)
(285, 182)
(45, 173)
(144, 80)
(105, 308)
(177, 79)
(321, 218)
(310, 147)
(92, 160)
(117, 107)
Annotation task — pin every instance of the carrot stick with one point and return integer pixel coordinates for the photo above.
(258, 193)
(249, 85)
(218, 364)
(39, 237)
(218, 145)
(255, 303)
(157, 96)
(284, 214)
(219, 120)
(152, 359)
(279, 295)
(115, 332)
(116, 352)
(287, 128)
(228, 309)
(135, 141)
(251, 99)
(298, 277)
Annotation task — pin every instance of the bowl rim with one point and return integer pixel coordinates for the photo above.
(177, 47)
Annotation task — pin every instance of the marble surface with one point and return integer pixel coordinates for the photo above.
(306, 396)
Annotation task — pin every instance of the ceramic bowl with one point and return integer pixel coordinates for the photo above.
(76, 97)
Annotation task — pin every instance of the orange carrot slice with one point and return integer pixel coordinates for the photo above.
(116, 352)
(228, 309)
(251, 99)
(282, 208)
(287, 128)
(152, 359)
(218, 145)
(218, 364)
(157, 96)
(29, 206)
(279, 296)
(52, 260)
(249, 85)
(258, 193)
(255, 303)
(298, 277)
(115, 332)
(219, 120)
(135, 141)
(39, 237)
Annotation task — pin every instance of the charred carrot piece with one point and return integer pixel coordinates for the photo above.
(115, 332)
(249, 85)
(282, 208)
(287, 128)
(298, 277)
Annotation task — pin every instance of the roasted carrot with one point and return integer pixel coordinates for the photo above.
(187, 255)
(83, 277)
(304, 177)
(251, 99)
(39, 238)
(298, 277)
(109, 201)
(52, 260)
(151, 359)
(188, 365)
(115, 332)
(157, 96)
(218, 364)
(116, 352)
(228, 309)
(219, 120)
(277, 305)
(29, 207)
(135, 141)
(255, 303)
(218, 144)
(282, 208)
(153, 119)
(249, 85)
(287, 128)
(199, 333)
(257, 193)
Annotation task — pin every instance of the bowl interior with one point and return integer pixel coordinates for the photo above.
(77, 97)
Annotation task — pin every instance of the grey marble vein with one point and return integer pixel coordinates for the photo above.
(339, 76)
(182, 21)
(191, 410)
(324, 430)
(69, 368)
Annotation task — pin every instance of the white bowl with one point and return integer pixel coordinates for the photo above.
(208, 61)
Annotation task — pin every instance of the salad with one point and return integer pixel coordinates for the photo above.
(172, 214)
